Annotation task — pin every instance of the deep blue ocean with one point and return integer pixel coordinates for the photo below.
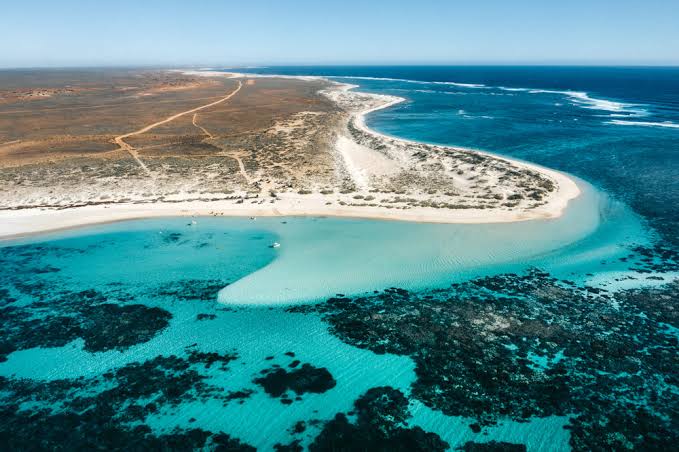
(550, 335)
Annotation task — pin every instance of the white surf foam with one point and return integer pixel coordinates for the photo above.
(463, 85)
(579, 98)
(584, 100)
(504, 88)
(419, 82)
(667, 124)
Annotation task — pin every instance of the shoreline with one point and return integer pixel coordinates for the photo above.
(21, 223)
(565, 182)
(53, 220)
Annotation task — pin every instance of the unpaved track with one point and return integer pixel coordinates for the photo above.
(205, 131)
(236, 157)
(120, 140)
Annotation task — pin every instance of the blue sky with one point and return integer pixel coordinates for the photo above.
(211, 33)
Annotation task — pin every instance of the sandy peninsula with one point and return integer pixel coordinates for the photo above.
(142, 145)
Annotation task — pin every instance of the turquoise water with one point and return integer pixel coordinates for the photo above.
(322, 257)
(145, 261)
(166, 333)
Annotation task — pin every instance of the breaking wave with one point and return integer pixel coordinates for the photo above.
(667, 124)
(579, 98)
(419, 82)
(584, 100)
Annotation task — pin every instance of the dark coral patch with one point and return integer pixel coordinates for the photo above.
(532, 346)
(209, 358)
(172, 237)
(72, 431)
(203, 316)
(192, 289)
(299, 427)
(294, 446)
(55, 323)
(277, 381)
(492, 446)
(240, 395)
(110, 326)
(108, 412)
(381, 425)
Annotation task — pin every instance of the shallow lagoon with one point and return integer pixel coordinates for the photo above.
(179, 267)
(138, 260)
(321, 257)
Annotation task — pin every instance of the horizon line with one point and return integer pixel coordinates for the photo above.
(364, 64)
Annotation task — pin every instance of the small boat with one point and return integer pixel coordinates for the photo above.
(275, 245)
